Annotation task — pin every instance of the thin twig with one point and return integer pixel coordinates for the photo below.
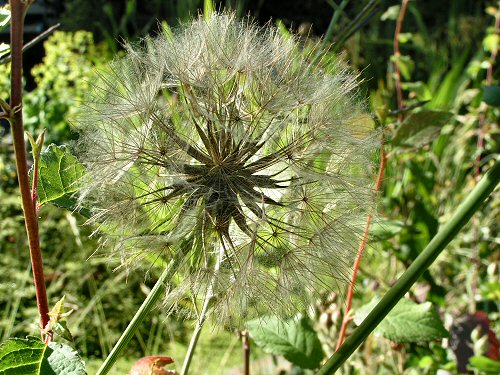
(397, 55)
(203, 315)
(16, 42)
(350, 292)
(32, 42)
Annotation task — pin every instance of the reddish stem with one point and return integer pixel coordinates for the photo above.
(16, 43)
(246, 353)
(361, 249)
(397, 55)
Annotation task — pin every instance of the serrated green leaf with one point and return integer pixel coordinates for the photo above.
(491, 95)
(407, 322)
(485, 364)
(64, 360)
(58, 176)
(21, 356)
(30, 356)
(386, 229)
(295, 340)
(420, 128)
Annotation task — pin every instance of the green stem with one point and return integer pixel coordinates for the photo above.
(203, 315)
(333, 23)
(139, 316)
(366, 13)
(464, 212)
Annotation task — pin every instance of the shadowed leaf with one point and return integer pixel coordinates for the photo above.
(420, 128)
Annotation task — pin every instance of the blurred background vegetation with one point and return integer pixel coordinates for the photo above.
(445, 53)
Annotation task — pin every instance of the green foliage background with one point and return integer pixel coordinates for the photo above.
(443, 60)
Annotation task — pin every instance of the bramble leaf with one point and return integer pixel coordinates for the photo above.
(294, 339)
(30, 356)
(58, 176)
(407, 322)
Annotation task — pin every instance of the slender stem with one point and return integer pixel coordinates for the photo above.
(370, 9)
(333, 23)
(246, 353)
(16, 121)
(350, 292)
(203, 315)
(32, 42)
(139, 316)
(462, 215)
(397, 55)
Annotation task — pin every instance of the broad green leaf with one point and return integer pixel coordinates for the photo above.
(30, 356)
(491, 95)
(386, 229)
(64, 360)
(294, 339)
(58, 176)
(485, 364)
(420, 128)
(407, 322)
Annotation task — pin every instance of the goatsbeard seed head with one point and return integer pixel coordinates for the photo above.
(222, 139)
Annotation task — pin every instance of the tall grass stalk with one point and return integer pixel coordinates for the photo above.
(447, 233)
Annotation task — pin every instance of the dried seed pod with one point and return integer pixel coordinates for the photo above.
(223, 138)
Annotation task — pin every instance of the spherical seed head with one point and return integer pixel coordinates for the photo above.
(222, 144)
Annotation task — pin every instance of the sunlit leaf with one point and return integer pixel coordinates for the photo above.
(58, 176)
(294, 339)
(31, 356)
(407, 322)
